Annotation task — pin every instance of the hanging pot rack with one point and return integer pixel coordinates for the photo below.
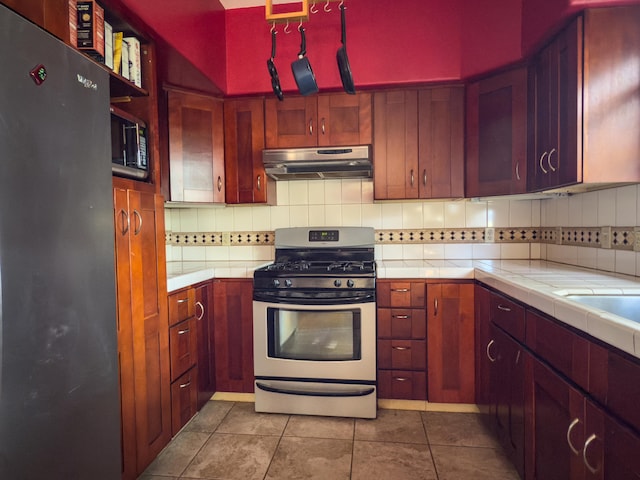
(301, 15)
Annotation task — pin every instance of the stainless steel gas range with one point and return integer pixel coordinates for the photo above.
(314, 323)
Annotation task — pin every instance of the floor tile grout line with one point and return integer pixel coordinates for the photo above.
(266, 472)
(423, 419)
(206, 441)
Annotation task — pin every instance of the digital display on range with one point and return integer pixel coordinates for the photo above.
(323, 235)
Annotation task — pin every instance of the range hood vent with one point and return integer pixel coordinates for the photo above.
(318, 163)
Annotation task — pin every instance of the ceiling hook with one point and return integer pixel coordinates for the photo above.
(300, 26)
(286, 29)
(313, 6)
(273, 27)
(341, 4)
(326, 7)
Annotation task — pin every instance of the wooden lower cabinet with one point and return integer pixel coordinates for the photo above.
(143, 334)
(402, 345)
(450, 342)
(204, 325)
(233, 333)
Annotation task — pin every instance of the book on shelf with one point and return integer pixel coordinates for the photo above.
(135, 65)
(90, 29)
(124, 68)
(117, 51)
(108, 45)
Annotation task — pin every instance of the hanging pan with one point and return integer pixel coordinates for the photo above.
(301, 68)
(275, 80)
(343, 60)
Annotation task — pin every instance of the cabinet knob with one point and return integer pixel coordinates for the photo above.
(259, 183)
(491, 359)
(424, 177)
(126, 223)
(201, 316)
(590, 440)
(136, 213)
(323, 130)
(311, 126)
(411, 177)
(571, 426)
(219, 183)
(518, 170)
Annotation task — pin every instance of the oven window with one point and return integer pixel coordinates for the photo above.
(314, 334)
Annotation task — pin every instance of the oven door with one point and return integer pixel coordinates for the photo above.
(306, 342)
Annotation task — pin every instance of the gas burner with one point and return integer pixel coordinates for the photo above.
(294, 266)
(346, 266)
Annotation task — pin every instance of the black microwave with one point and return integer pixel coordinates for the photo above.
(129, 155)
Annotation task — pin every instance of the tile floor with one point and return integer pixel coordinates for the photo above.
(229, 441)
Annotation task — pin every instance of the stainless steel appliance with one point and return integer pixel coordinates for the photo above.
(318, 163)
(314, 323)
(59, 400)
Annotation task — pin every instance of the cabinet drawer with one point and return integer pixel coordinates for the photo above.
(401, 294)
(508, 315)
(402, 354)
(184, 397)
(182, 305)
(402, 323)
(402, 384)
(564, 350)
(183, 348)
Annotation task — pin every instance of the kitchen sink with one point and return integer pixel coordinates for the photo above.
(626, 306)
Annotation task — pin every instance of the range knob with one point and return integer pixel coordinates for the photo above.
(276, 282)
(337, 282)
(350, 283)
(287, 283)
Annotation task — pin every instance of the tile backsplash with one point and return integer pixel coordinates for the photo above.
(594, 229)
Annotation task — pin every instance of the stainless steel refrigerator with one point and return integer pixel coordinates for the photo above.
(59, 400)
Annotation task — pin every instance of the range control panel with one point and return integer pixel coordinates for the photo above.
(324, 235)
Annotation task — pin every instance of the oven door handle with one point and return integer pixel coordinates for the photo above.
(362, 392)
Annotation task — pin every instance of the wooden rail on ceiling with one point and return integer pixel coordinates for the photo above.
(302, 14)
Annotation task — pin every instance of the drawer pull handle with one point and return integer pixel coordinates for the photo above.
(401, 348)
(571, 426)
(185, 385)
(183, 300)
(401, 290)
(182, 332)
(201, 316)
(503, 308)
(584, 454)
(435, 307)
(401, 379)
(402, 317)
(491, 359)
(518, 357)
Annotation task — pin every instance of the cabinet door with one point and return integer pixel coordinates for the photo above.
(559, 427)
(233, 333)
(610, 450)
(344, 119)
(441, 142)
(206, 363)
(246, 181)
(483, 346)
(508, 385)
(196, 148)
(125, 333)
(142, 301)
(497, 135)
(558, 114)
(395, 147)
(450, 327)
(291, 123)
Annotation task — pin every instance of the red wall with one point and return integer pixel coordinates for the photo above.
(388, 43)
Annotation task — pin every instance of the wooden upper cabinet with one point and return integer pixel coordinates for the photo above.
(496, 139)
(419, 143)
(196, 148)
(441, 142)
(246, 181)
(395, 147)
(585, 104)
(325, 120)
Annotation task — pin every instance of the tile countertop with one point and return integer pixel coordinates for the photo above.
(538, 283)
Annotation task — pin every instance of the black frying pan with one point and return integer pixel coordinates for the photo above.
(343, 60)
(275, 80)
(301, 68)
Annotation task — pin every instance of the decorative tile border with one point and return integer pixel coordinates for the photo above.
(617, 238)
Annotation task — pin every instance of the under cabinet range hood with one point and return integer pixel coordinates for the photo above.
(318, 163)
